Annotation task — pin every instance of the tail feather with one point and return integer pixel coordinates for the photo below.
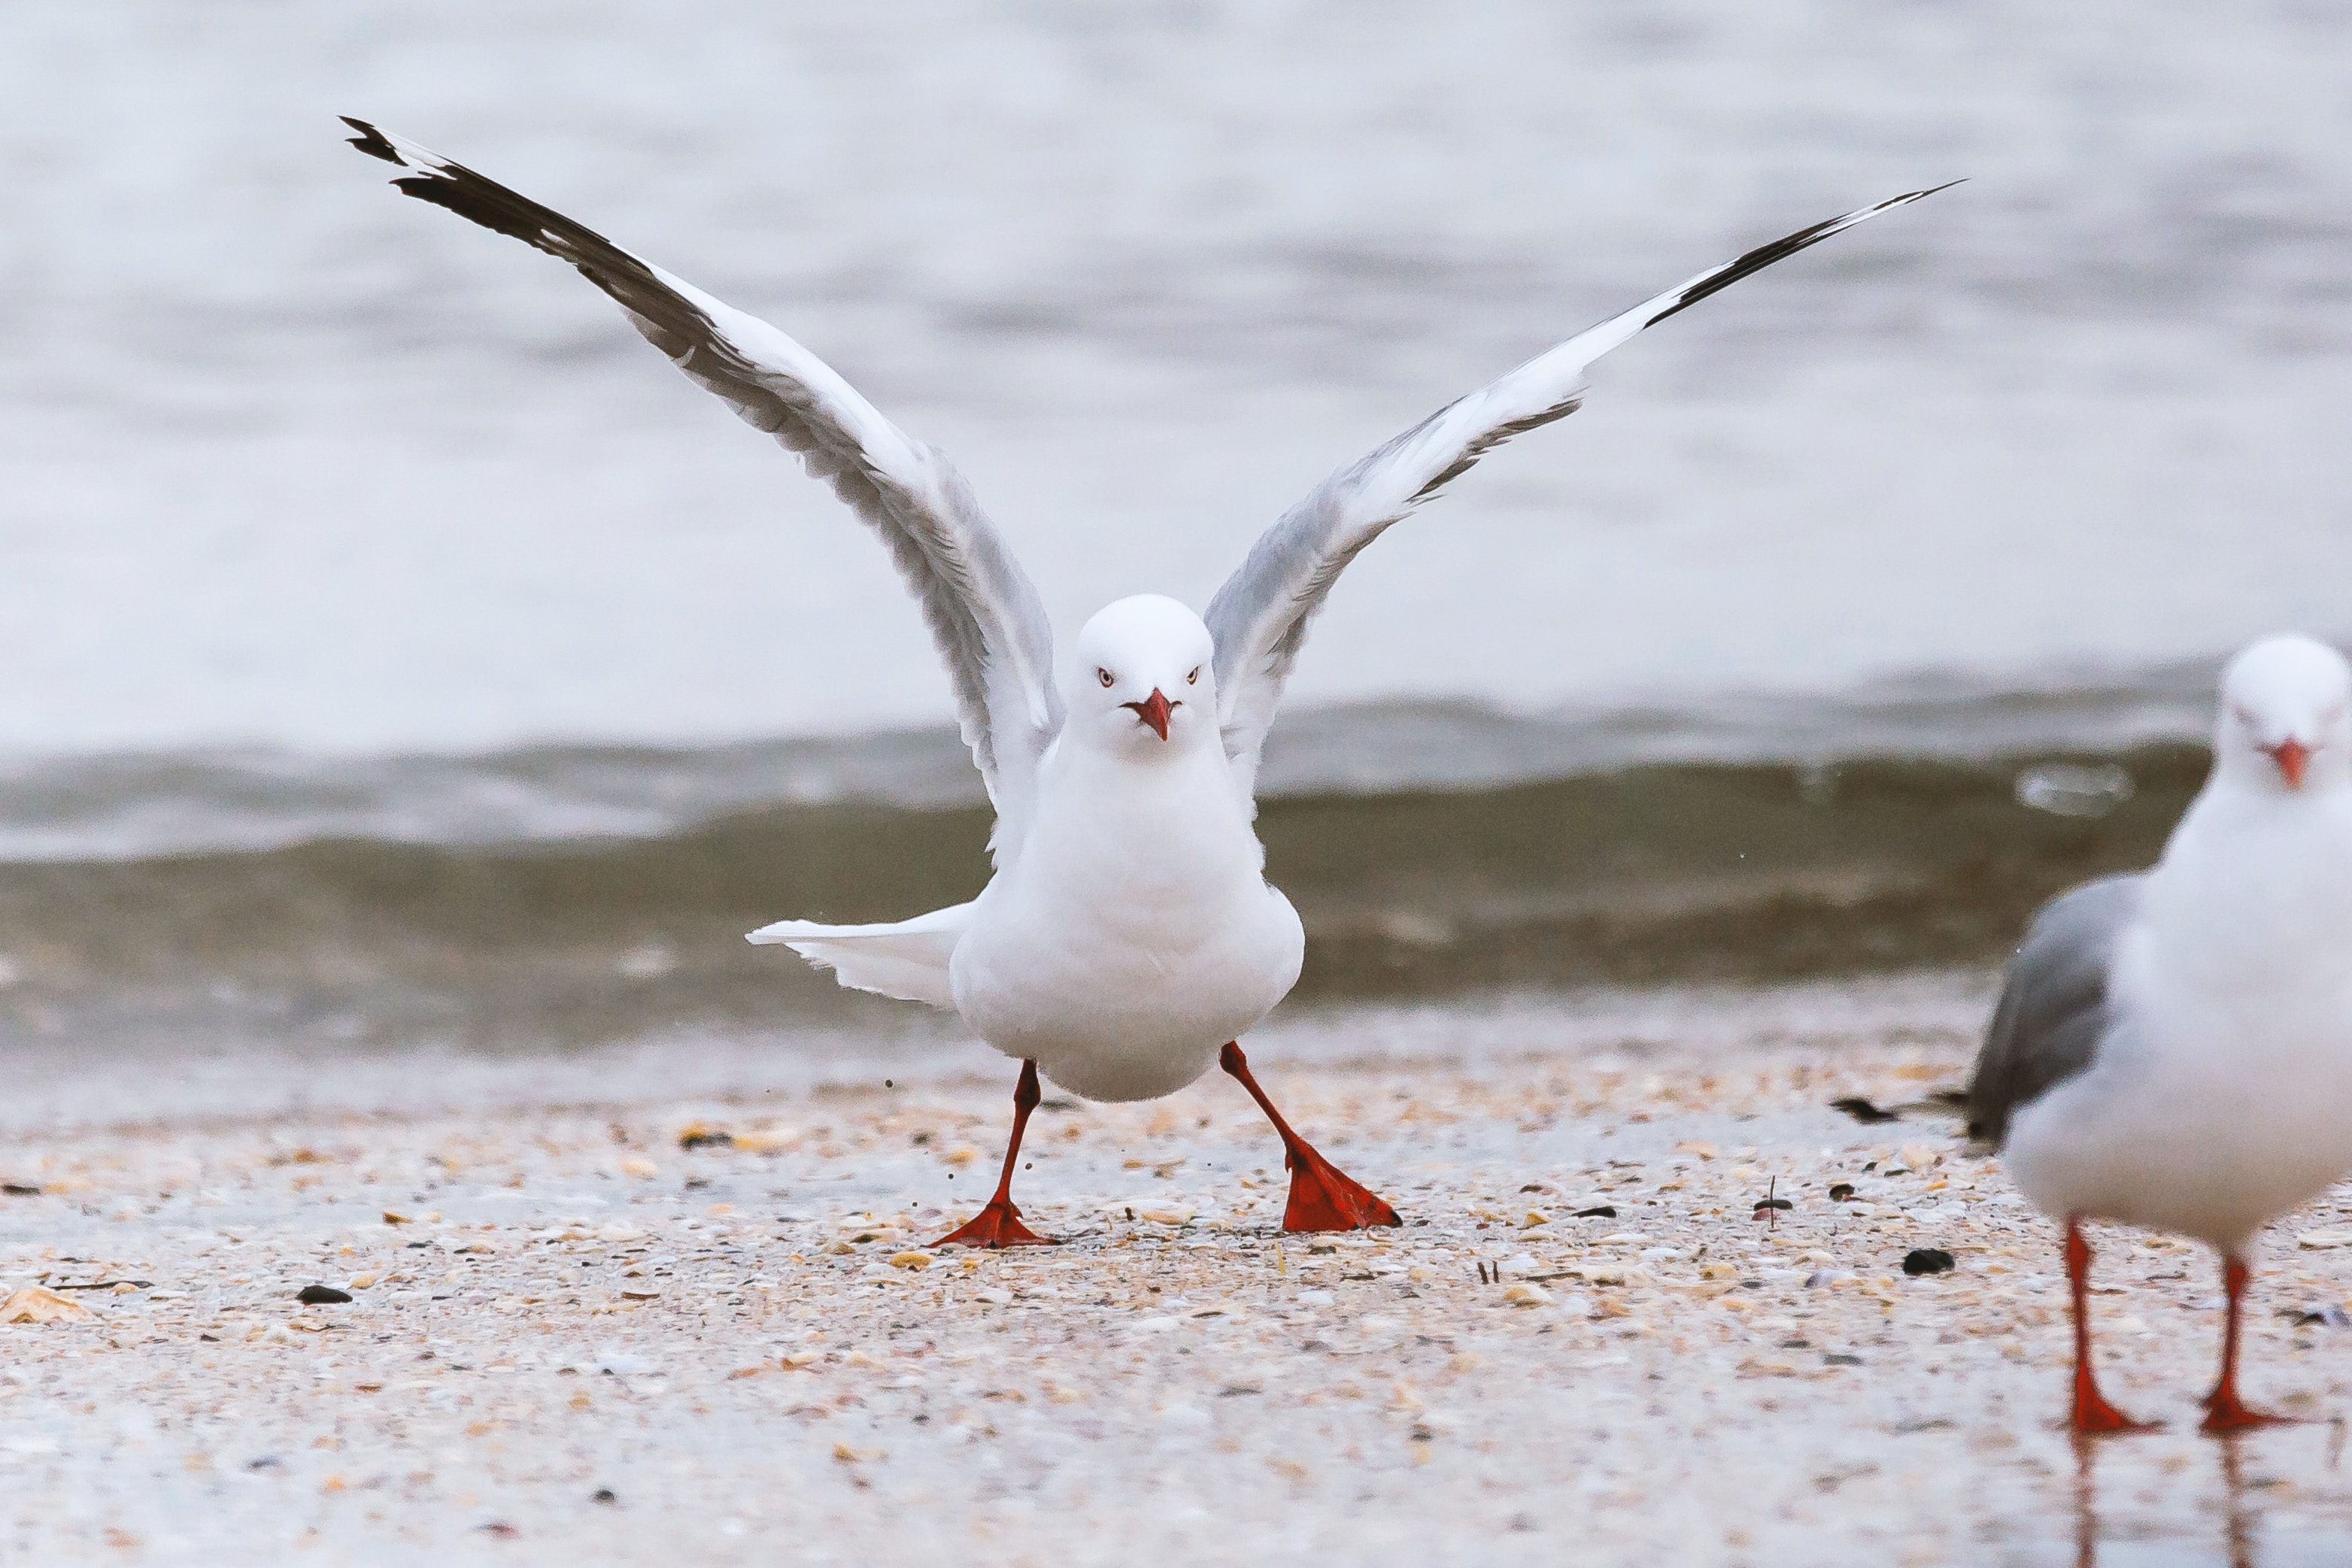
(906, 959)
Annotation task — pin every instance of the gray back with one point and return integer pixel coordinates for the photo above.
(2054, 1010)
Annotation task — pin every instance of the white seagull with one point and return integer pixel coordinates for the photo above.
(2173, 1048)
(1128, 936)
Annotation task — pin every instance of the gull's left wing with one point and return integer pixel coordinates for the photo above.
(1259, 617)
(2054, 1011)
(985, 614)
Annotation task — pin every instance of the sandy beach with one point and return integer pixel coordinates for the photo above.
(570, 1338)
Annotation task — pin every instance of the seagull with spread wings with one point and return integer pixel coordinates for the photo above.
(1128, 937)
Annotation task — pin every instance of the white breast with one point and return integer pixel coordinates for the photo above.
(1136, 933)
(2222, 1096)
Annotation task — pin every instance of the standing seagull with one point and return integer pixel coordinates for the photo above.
(2174, 1047)
(1128, 936)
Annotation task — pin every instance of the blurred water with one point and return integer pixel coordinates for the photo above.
(287, 460)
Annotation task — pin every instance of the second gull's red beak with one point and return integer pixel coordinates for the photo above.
(1153, 712)
(2290, 755)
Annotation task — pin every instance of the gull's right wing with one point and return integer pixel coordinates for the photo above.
(983, 613)
(1259, 617)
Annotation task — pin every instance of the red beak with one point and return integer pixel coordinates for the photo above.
(1153, 712)
(2290, 755)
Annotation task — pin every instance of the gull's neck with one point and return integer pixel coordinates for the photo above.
(2256, 882)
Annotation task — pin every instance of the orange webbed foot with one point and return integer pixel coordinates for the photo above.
(2093, 1416)
(1325, 1198)
(2225, 1412)
(997, 1225)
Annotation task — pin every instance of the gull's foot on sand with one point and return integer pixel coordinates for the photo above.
(2093, 1414)
(2094, 1417)
(2225, 1412)
(1325, 1198)
(998, 1225)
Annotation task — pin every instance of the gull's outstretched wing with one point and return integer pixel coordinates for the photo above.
(1259, 617)
(983, 613)
(2053, 1011)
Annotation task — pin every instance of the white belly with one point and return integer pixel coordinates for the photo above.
(1133, 938)
(2211, 1134)
(2222, 1097)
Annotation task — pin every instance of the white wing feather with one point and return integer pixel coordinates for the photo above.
(983, 613)
(1259, 617)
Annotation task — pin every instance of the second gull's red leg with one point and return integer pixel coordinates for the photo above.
(2092, 1412)
(2224, 1411)
(998, 1224)
(1322, 1196)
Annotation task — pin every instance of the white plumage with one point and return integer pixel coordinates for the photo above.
(2174, 1048)
(1134, 933)
(1129, 932)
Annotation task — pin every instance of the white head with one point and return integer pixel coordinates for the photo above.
(1142, 687)
(2284, 725)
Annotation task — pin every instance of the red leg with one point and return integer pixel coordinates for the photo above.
(1322, 1196)
(2092, 1412)
(2224, 1411)
(999, 1223)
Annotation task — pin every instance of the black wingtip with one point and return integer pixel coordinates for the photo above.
(1919, 195)
(371, 141)
(1782, 250)
(458, 189)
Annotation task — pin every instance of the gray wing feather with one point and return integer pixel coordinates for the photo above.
(1259, 617)
(983, 613)
(2054, 1010)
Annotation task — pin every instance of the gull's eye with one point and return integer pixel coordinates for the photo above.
(1103, 675)
(2244, 715)
(1194, 678)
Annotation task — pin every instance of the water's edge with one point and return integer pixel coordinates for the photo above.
(1674, 868)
